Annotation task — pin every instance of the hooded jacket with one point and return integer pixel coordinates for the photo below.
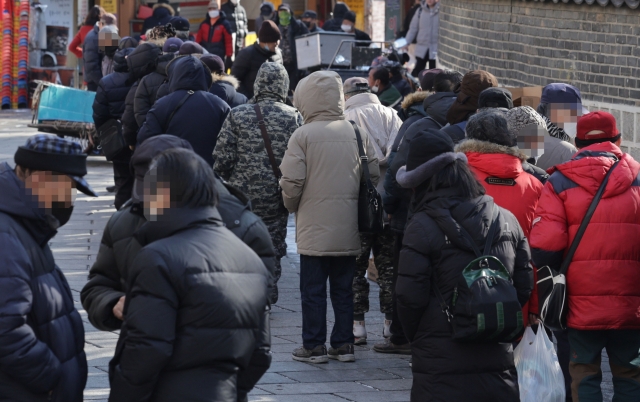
(335, 23)
(248, 62)
(224, 87)
(556, 151)
(434, 253)
(112, 90)
(200, 117)
(424, 29)
(41, 333)
(92, 57)
(296, 28)
(380, 122)
(240, 154)
(148, 89)
(321, 170)
(216, 38)
(210, 291)
(602, 280)
(162, 13)
(141, 62)
(237, 19)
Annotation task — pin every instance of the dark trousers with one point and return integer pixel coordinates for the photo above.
(92, 87)
(421, 64)
(314, 272)
(623, 350)
(564, 354)
(397, 333)
(122, 177)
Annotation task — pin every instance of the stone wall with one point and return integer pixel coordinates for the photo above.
(592, 47)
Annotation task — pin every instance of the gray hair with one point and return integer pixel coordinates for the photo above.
(490, 125)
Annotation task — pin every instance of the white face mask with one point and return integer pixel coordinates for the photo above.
(571, 129)
(346, 28)
(374, 89)
(214, 13)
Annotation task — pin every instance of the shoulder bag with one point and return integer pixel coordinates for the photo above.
(111, 138)
(267, 142)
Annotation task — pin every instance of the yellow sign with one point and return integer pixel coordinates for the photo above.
(357, 6)
(110, 6)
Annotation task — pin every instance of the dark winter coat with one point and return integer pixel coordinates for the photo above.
(225, 87)
(41, 333)
(335, 23)
(141, 62)
(237, 19)
(603, 277)
(296, 28)
(434, 252)
(148, 89)
(112, 90)
(208, 293)
(248, 62)
(92, 57)
(400, 83)
(162, 14)
(216, 38)
(199, 119)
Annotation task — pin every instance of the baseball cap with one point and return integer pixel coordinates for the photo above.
(310, 14)
(356, 84)
(597, 125)
(180, 23)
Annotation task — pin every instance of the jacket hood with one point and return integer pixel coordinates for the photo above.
(493, 159)
(143, 60)
(438, 104)
(15, 202)
(163, 62)
(361, 100)
(162, 10)
(414, 99)
(178, 219)
(126, 42)
(229, 79)
(339, 10)
(319, 97)
(272, 82)
(120, 60)
(589, 166)
(188, 73)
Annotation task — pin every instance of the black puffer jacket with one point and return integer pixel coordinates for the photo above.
(141, 62)
(199, 119)
(335, 23)
(148, 89)
(41, 333)
(162, 14)
(209, 291)
(433, 247)
(248, 61)
(112, 90)
(224, 87)
(92, 57)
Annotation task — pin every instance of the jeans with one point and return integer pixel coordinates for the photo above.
(314, 272)
(623, 350)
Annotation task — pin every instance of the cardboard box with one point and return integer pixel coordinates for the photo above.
(526, 96)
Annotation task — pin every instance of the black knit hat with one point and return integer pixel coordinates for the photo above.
(190, 48)
(495, 97)
(426, 146)
(491, 125)
(214, 62)
(350, 16)
(269, 32)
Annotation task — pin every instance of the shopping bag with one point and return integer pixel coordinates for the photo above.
(539, 373)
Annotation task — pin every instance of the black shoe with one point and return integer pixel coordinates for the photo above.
(389, 347)
(315, 355)
(344, 353)
(111, 189)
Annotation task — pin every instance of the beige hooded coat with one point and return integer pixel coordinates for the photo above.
(321, 170)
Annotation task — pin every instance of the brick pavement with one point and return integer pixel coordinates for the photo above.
(373, 377)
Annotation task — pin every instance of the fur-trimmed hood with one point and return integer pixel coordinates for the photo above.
(485, 147)
(163, 5)
(225, 78)
(414, 98)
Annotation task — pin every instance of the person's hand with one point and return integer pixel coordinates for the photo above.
(533, 319)
(119, 308)
(131, 147)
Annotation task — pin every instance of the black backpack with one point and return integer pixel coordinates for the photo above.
(484, 306)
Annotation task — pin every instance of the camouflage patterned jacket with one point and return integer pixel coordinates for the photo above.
(240, 156)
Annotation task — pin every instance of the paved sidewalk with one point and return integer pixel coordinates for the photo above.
(373, 377)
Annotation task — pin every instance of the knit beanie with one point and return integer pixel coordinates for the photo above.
(427, 78)
(350, 16)
(473, 83)
(529, 128)
(214, 62)
(495, 97)
(269, 32)
(190, 48)
(490, 125)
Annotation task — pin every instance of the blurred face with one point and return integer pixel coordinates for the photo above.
(310, 22)
(348, 26)
(431, 3)
(214, 6)
(157, 196)
(562, 113)
(531, 140)
(49, 188)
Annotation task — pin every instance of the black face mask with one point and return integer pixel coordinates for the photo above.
(61, 212)
(307, 23)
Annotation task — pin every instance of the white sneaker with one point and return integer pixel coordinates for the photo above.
(359, 333)
(386, 332)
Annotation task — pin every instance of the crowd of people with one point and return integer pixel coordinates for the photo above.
(214, 163)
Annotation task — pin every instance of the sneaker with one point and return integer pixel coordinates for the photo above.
(359, 333)
(386, 331)
(315, 355)
(389, 347)
(344, 353)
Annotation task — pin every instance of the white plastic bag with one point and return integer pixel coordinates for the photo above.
(539, 374)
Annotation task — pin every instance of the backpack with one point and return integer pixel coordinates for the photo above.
(484, 306)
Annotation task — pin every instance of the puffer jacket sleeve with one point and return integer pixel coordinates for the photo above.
(129, 124)
(414, 26)
(392, 196)
(294, 171)
(374, 168)
(142, 102)
(225, 153)
(104, 288)
(92, 58)
(241, 67)
(260, 360)
(101, 112)
(22, 356)
(522, 270)
(414, 277)
(151, 310)
(549, 232)
(153, 125)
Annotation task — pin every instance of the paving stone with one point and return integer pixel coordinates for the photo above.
(296, 398)
(353, 374)
(315, 388)
(394, 396)
(390, 385)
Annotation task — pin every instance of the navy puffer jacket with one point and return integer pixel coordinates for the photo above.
(41, 332)
(112, 90)
(92, 57)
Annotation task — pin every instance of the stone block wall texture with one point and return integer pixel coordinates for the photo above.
(522, 43)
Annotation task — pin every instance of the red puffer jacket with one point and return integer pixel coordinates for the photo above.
(499, 169)
(216, 37)
(603, 281)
